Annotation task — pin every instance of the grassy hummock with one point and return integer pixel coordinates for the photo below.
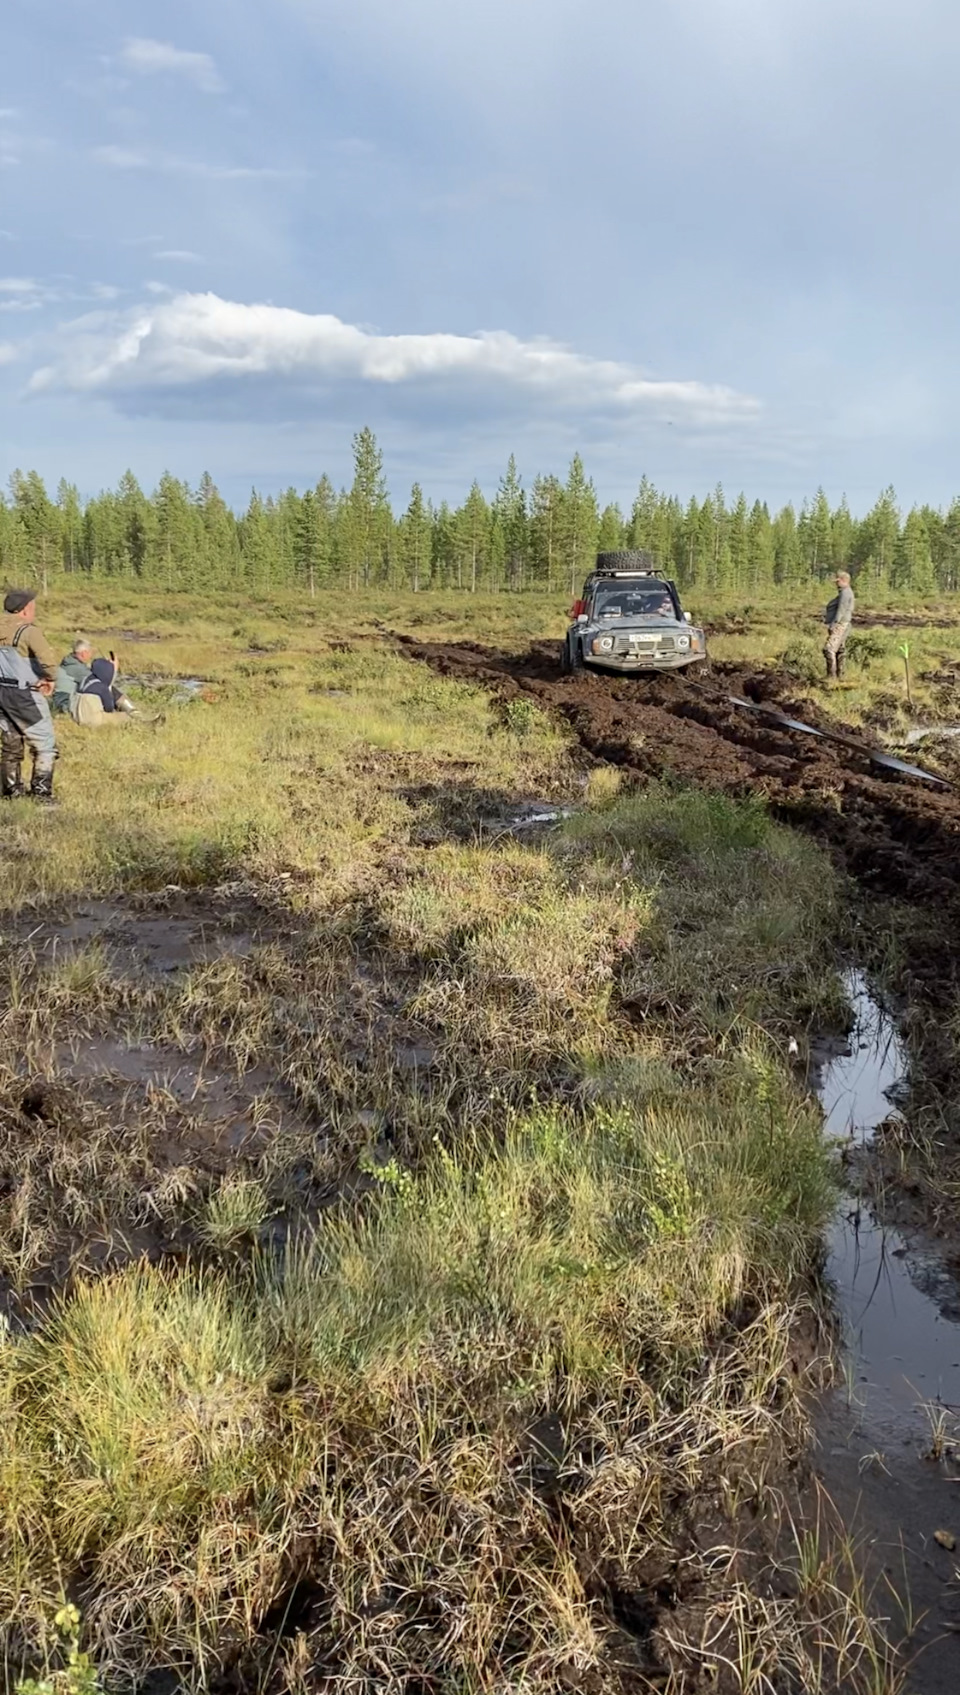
(448, 1365)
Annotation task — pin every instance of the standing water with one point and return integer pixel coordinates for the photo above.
(882, 1458)
(907, 1354)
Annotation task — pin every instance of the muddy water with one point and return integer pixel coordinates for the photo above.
(902, 1370)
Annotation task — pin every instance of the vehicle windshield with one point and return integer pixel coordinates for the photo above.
(617, 601)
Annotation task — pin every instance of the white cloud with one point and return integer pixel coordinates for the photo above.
(192, 341)
(8, 352)
(22, 294)
(180, 256)
(126, 159)
(152, 58)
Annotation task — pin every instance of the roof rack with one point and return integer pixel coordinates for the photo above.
(602, 571)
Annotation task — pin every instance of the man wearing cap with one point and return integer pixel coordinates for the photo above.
(28, 667)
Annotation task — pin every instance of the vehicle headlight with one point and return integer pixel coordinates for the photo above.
(603, 644)
(683, 642)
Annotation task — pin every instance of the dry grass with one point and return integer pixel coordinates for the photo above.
(494, 1290)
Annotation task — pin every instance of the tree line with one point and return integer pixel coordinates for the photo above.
(539, 538)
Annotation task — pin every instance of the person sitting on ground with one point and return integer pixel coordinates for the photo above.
(98, 699)
(74, 671)
(838, 617)
(28, 667)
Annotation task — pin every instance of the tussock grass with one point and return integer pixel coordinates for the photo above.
(444, 1365)
(741, 909)
(184, 1432)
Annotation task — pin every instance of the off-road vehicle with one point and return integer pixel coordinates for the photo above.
(629, 618)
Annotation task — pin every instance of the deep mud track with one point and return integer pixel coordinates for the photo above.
(897, 837)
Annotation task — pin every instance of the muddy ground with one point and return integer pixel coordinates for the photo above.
(898, 838)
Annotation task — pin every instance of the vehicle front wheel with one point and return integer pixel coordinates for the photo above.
(575, 655)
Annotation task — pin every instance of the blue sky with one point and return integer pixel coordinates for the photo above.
(702, 239)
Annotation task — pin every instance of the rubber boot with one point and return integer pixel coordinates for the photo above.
(831, 660)
(42, 786)
(11, 781)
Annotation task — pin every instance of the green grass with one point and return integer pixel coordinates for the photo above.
(595, 1207)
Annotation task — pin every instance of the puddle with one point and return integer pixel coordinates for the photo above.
(859, 1080)
(185, 688)
(902, 1369)
(238, 1105)
(163, 942)
(529, 816)
(904, 1351)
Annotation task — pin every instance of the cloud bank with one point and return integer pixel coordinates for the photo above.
(196, 342)
(151, 58)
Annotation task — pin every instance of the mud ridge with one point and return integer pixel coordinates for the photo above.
(896, 837)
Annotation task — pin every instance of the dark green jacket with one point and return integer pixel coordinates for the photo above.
(71, 674)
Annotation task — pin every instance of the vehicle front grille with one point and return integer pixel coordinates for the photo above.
(644, 643)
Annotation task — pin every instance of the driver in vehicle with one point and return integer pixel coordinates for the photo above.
(643, 604)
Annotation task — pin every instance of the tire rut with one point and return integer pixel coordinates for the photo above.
(898, 839)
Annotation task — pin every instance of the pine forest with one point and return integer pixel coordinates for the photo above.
(540, 537)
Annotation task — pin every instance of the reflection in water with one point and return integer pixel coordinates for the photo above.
(904, 1351)
(857, 1079)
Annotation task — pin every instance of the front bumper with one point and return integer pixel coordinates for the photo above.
(655, 661)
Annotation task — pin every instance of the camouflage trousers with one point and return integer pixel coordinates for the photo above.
(833, 648)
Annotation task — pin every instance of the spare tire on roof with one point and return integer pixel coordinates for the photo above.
(631, 559)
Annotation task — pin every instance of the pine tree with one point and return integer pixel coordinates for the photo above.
(786, 547)
(443, 546)
(738, 545)
(175, 533)
(761, 548)
(913, 561)
(368, 519)
(643, 528)
(579, 523)
(546, 527)
(71, 525)
(842, 531)
(219, 545)
(948, 565)
(416, 536)
(510, 522)
(815, 535)
(877, 536)
(472, 537)
(138, 520)
(687, 556)
(611, 532)
(39, 521)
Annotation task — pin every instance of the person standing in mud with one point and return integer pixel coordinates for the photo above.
(838, 617)
(28, 667)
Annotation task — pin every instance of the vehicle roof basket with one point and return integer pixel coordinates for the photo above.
(608, 571)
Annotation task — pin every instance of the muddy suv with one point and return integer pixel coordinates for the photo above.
(629, 618)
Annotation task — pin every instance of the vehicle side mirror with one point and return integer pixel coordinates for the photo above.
(688, 618)
(581, 617)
